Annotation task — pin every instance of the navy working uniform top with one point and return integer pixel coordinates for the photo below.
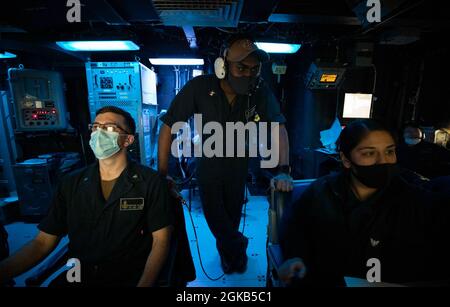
(203, 95)
(113, 238)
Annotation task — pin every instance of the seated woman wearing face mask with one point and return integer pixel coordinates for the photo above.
(345, 223)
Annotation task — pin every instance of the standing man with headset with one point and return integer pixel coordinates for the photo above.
(234, 94)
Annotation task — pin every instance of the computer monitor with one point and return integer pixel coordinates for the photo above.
(357, 105)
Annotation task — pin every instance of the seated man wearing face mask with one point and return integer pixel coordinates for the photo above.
(115, 213)
(420, 156)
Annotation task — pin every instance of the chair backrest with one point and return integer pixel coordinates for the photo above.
(4, 247)
(279, 201)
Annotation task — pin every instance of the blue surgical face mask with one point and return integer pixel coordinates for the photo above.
(104, 143)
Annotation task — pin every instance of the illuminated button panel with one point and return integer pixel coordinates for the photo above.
(40, 117)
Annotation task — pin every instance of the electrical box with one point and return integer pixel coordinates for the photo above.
(130, 86)
(38, 100)
(37, 179)
(35, 185)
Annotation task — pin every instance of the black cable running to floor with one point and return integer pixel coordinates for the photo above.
(196, 237)
(245, 209)
(198, 250)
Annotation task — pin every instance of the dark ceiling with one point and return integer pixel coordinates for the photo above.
(31, 25)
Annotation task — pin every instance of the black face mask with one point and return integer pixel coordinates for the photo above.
(375, 176)
(242, 85)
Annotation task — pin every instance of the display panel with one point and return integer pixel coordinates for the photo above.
(357, 105)
(328, 78)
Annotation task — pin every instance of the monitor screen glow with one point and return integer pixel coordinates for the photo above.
(357, 105)
(328, 78)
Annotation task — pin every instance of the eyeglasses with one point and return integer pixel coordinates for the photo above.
(111, 127)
